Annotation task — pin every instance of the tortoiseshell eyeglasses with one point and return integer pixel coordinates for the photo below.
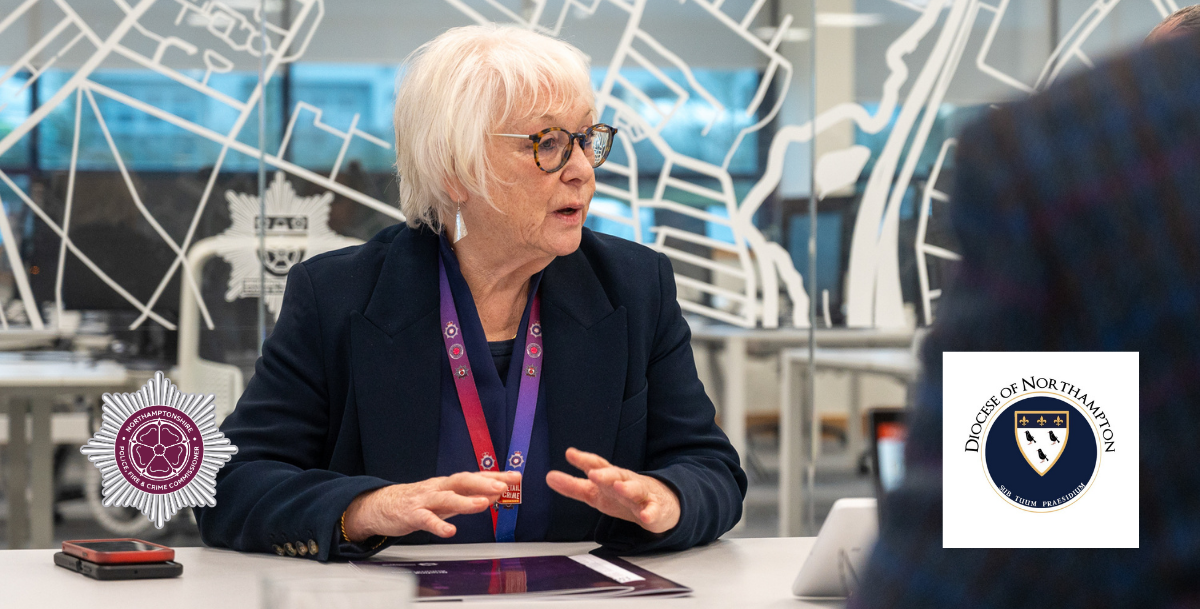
(552, 147)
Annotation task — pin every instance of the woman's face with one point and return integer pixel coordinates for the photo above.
(539, 214)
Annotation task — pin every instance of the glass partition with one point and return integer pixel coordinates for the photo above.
(793, 158)
(922, 69)
(152, 110)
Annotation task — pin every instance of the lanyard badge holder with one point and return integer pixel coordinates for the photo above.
(504, 512)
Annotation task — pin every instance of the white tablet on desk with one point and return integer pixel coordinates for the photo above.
(835, 564)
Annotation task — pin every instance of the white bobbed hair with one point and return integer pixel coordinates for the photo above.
(460, 87)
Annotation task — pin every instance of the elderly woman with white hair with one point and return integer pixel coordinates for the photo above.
(490, 371)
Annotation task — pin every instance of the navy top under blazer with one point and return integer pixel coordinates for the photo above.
(348, 397)
(499, 400)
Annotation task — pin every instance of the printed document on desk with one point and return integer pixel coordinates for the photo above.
(584, 575)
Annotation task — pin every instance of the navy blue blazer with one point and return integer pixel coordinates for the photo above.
(346, 397)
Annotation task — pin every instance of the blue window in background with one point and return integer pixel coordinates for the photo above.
(685, 131)
(14, 109)
(600, 219)
(334, 92)
(15, 106)
(829, 250)
(327, 98)
(148, 142)
(339, 92)
(695, 128)
(950, 121)
(20, 218)
(719, 232)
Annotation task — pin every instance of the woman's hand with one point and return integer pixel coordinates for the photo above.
(400, 509)
(618, 492)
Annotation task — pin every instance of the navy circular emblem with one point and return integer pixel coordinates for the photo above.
(535, 329)
(516, 459)
(534, 350)
(456, 351)
(451, 330)
(487, 462)
(1041, 453)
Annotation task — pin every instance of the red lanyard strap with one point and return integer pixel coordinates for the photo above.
(504, 524)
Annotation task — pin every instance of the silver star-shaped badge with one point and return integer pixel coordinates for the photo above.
(159, 450)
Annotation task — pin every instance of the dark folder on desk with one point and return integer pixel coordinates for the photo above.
(584, 576)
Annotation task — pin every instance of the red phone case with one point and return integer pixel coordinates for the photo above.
(158, 554)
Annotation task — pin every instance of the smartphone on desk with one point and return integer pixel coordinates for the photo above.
(137, 570)
(117, 551)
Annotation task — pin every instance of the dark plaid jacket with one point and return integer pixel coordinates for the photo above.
(1078, 216)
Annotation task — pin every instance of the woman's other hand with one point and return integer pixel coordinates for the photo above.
(618, 492)
(400, 509)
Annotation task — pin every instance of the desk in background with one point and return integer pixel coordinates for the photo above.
(731, 384)
(743, 573)
(28, 383)
(799, 431)
(736, 340)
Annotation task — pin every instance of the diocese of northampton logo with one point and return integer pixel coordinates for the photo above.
(1027, 457)
(158, 450)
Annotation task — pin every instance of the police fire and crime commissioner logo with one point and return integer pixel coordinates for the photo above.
(296, 229)
(1041, 449)
(158, 450)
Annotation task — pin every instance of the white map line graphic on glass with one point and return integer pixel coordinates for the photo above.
(923, 249)
(873, 290)
(234, 32)
(346, 136)
(1068, 48)
(872, 296)
(22, 281)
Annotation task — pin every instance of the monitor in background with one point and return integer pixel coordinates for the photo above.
(888, 432)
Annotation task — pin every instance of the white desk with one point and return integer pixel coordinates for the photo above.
(14, 339)
(30, 382)
(743, 573)
(799, 432)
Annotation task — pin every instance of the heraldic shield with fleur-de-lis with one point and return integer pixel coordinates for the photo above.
(1042, 435)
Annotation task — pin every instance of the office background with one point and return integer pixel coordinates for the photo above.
(753, 132)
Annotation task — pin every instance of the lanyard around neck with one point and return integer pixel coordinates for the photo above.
(504, 513)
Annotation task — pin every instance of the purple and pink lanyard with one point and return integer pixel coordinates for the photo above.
(504, 512)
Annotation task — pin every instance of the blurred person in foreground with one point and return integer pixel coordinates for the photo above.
(451, 378)
(1182, 22)
(1078, 211)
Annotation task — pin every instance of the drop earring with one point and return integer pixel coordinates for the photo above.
(460, 227)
